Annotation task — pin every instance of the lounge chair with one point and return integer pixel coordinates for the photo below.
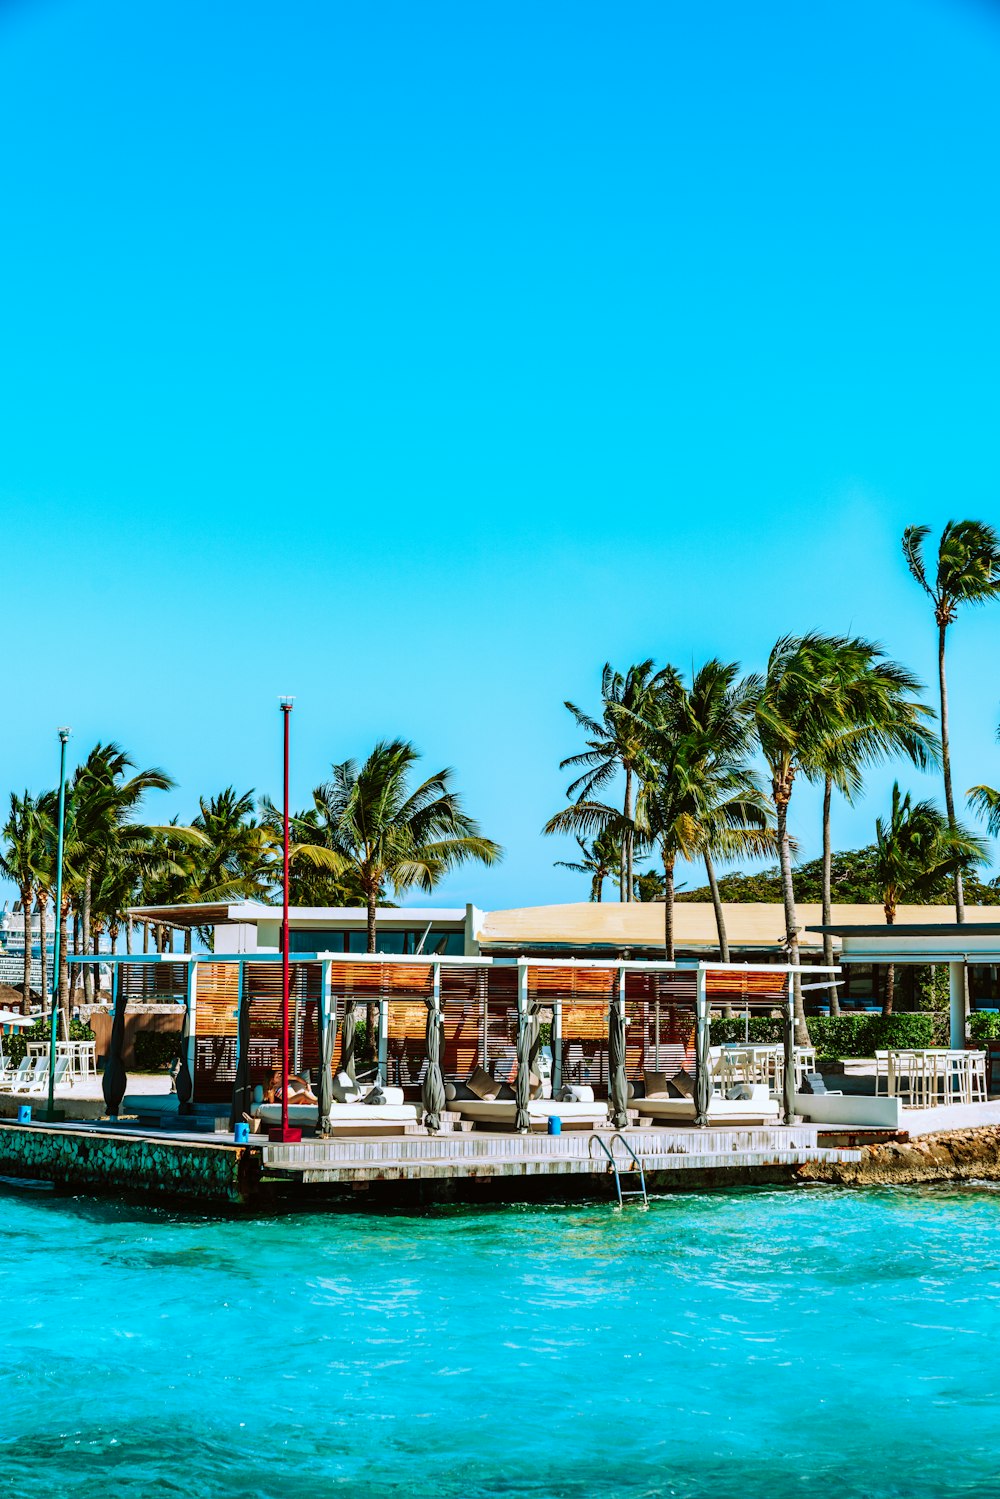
(13, 1075)
(39, 1080)
(27, 1079)
(758, 1108)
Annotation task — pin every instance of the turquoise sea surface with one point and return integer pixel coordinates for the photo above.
(759, 1344)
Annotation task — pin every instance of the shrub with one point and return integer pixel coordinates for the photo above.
(730, 1030)
(863, 1035)
(153, 1051)
(984, 1026)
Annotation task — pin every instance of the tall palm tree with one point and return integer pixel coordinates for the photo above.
(616, 744)
(19, 862)
(736, 820)
(968, 572)
(915, 848)
(601, 859)
(879, 717)
(797, 714)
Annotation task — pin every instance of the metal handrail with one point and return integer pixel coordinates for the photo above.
(613, 1168)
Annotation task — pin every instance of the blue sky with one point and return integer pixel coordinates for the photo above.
(416, 360)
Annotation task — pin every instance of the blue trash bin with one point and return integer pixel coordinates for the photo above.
(241, 1134)
(555, 1124)
(24, 1113)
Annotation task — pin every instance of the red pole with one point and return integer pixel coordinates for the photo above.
(285, 1133)
(286, 709)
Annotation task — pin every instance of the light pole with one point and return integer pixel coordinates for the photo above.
(284, 1133)
(52, 1113)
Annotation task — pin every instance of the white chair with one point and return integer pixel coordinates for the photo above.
(37, 1067)
(18, 1074)
(40, 1080)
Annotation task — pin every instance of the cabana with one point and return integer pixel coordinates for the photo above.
(611, 1027)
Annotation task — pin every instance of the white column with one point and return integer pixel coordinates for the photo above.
(383, 1041)
(956, 996)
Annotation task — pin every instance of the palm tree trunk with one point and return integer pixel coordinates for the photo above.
(43, 938)
(828, 891)
(781, 798)
(26, 971)
(128, 937)
(889, 992)
(949, 797)
(187, 939)
(668, 906)
(88, 970)
(372, 1010)
(63, 960)
(145, 936)
(720, 917)
(627, 841)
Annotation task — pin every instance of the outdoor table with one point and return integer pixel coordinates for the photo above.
(934, 1074)
(81, 1055)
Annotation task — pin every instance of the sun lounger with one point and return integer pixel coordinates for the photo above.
(26, 1081)
(502, 1113)
(38, 1081)
(18, 1074)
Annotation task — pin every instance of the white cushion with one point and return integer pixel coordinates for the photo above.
(343, 1089)
(577, 1093)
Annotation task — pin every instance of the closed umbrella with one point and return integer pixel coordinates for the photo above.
(432, 1090)
(347, 1029)
(618, 1090)
(327, 1028)
(527, 1047)
(183, 1082)
(703, 1070)
(115, 1079)
(242, 1092)
(788, 1089)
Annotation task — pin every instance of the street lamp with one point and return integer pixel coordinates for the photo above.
(283, 1133)
(52, 1113)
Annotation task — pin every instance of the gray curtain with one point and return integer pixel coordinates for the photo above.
(184, 1082)
(618, 1086)
(347, 1030)
(432, 1090)
(789, 1078)
(327, 1026)
(242, 1091)
(703, 1070)
(527, 1051)
(115, 1079)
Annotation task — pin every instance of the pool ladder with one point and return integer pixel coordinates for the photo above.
(635, 1169)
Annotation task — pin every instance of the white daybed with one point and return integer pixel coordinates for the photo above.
(850, 1108)
(349, 1114)
(759, 1108)
(501, 1113)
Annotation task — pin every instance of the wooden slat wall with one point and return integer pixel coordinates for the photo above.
(153, 983)
(217, 995)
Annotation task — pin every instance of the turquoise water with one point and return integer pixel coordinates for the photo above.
(751, 1344)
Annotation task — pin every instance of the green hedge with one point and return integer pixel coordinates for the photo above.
(153, 1051)
(984, 1026)
(838, 1035)
(14, 1047)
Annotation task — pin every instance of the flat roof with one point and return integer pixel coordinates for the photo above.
(218, 913)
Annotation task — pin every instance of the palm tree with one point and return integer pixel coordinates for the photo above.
(601, 859)
(797, 714)
(386, 834)
(19, 863)
(968, 572)
(877, 718)
(914, 850)
(699, 797)
(616, 743)
(735, 819)
(104, 799)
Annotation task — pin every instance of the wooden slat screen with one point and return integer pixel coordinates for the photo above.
(153, 983)
(216, 999)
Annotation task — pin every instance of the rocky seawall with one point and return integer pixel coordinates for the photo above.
(953, 1155)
